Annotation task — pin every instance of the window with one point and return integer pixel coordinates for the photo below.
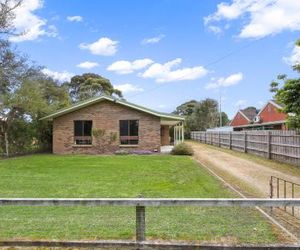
(129, 132)
(83, 132)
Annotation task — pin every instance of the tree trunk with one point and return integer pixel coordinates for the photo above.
(6, 144)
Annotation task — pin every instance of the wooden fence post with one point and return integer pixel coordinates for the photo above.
(230, 140)
(271, 187)
(205, 137)
(271, 191)
(269, 144)
(245, 142)
(140, 223)
(293, 196)
(219, 135)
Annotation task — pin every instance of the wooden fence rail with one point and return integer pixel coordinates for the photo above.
(283, 146)
(141, 203)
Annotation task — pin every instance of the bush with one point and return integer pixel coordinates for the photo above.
(182, 149)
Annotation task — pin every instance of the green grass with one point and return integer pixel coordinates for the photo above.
(121, 176)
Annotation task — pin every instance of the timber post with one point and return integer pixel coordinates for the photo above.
(140, 223)
(269, 135)
(245, 142)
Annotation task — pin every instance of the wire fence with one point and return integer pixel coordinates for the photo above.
(230, 221)
(281, 188)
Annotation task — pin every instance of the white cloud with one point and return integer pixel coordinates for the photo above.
(225, 81)
(155, 39)
(104, 47)
(294, 58)
(75, 18)
(87, 65)
(241, 103)
(127, 67)
(215, 29)
(28, 24)
(59, 76)
(127, 88)
(264, 17)
(164, 72)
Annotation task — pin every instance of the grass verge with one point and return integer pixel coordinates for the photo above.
(121, 176)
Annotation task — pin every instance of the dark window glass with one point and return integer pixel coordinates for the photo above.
(83, 132)
(78, 127)
(134, 127)
(129, 132)
(87, 128)
(123, 128)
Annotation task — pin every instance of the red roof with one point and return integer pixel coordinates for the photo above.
(268, 114)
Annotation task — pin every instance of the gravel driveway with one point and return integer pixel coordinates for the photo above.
(248, 176)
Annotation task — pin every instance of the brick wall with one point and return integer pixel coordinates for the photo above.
(105, 115)
(239, 120)
(165, 137)
(271, 114)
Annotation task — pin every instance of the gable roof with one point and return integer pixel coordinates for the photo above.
(249, 112)
(274, 103)
(101, 98)
(239, 112)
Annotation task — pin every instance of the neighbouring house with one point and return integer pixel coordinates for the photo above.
(104, 125)
(268, 118)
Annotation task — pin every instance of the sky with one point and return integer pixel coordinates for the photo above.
(161, 53)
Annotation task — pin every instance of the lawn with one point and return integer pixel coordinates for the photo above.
(121, 176)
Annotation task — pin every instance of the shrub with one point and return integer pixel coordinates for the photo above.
(182, 149)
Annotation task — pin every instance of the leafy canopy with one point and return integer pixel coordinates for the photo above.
(201, 115)
(289, 95)
(82, 87)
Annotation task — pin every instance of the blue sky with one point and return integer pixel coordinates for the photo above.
(165, 52)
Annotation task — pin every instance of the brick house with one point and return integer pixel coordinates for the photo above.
(268, 118)
(104, 125)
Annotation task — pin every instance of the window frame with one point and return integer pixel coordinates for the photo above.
(129, 139)
(83, 139)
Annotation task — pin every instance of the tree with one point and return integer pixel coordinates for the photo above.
(205, 115)
(36, 97)
(89, 85)
(7, 15)
(289, 95)
(26, 94)
(12, 68)
(200, 115)
(225, 119)
(186, 108)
